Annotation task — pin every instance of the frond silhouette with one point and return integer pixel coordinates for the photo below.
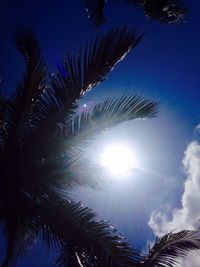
(168, 249)
(83, 129)
(164, 11)
(95, 9)
(35, 190)
(42, 146)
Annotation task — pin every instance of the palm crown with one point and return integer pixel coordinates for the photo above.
(42, 145)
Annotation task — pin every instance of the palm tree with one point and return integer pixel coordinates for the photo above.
(164, 11)
(42, 150)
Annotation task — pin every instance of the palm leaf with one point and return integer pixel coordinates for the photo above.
(20, 234)
(168, 249)
(82, 172)
(85, 127)
(18, 215)
(79, 73)
(3, 107)
(22, 105)
(68, 257)
(165, 11)
(50, 240)
(74, 165)
(78, 227)
(95, 9)
(107, 114)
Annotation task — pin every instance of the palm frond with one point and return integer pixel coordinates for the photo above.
(77, 226)
(20, 237)
(95, 9)
(75, 164)
(82, 172)
(165, 11)
(79, 73)
(85, 127)
(171, 247)
(69, 257)
(107, 114)
(48, 237)
(22, 105)
(18, 216)
(3, 107)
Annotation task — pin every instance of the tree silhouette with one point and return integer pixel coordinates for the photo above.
(41, 142)
(42, 150)
(164, 11)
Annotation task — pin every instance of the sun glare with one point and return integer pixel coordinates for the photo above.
(118, 159)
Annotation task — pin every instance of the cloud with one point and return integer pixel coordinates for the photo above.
(197, 128)
(188, 216)
(192, 260)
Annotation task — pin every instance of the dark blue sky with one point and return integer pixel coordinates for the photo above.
(164, 67)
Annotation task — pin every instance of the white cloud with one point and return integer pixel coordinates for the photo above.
(197, 128)
(188, 216)
(192, 260)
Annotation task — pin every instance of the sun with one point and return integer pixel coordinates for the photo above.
(119, 159)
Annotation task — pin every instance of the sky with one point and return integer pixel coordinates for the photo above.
(162, 193)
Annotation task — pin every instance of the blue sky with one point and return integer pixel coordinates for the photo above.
(164, 68)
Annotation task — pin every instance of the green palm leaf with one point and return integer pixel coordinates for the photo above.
(168, 249)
